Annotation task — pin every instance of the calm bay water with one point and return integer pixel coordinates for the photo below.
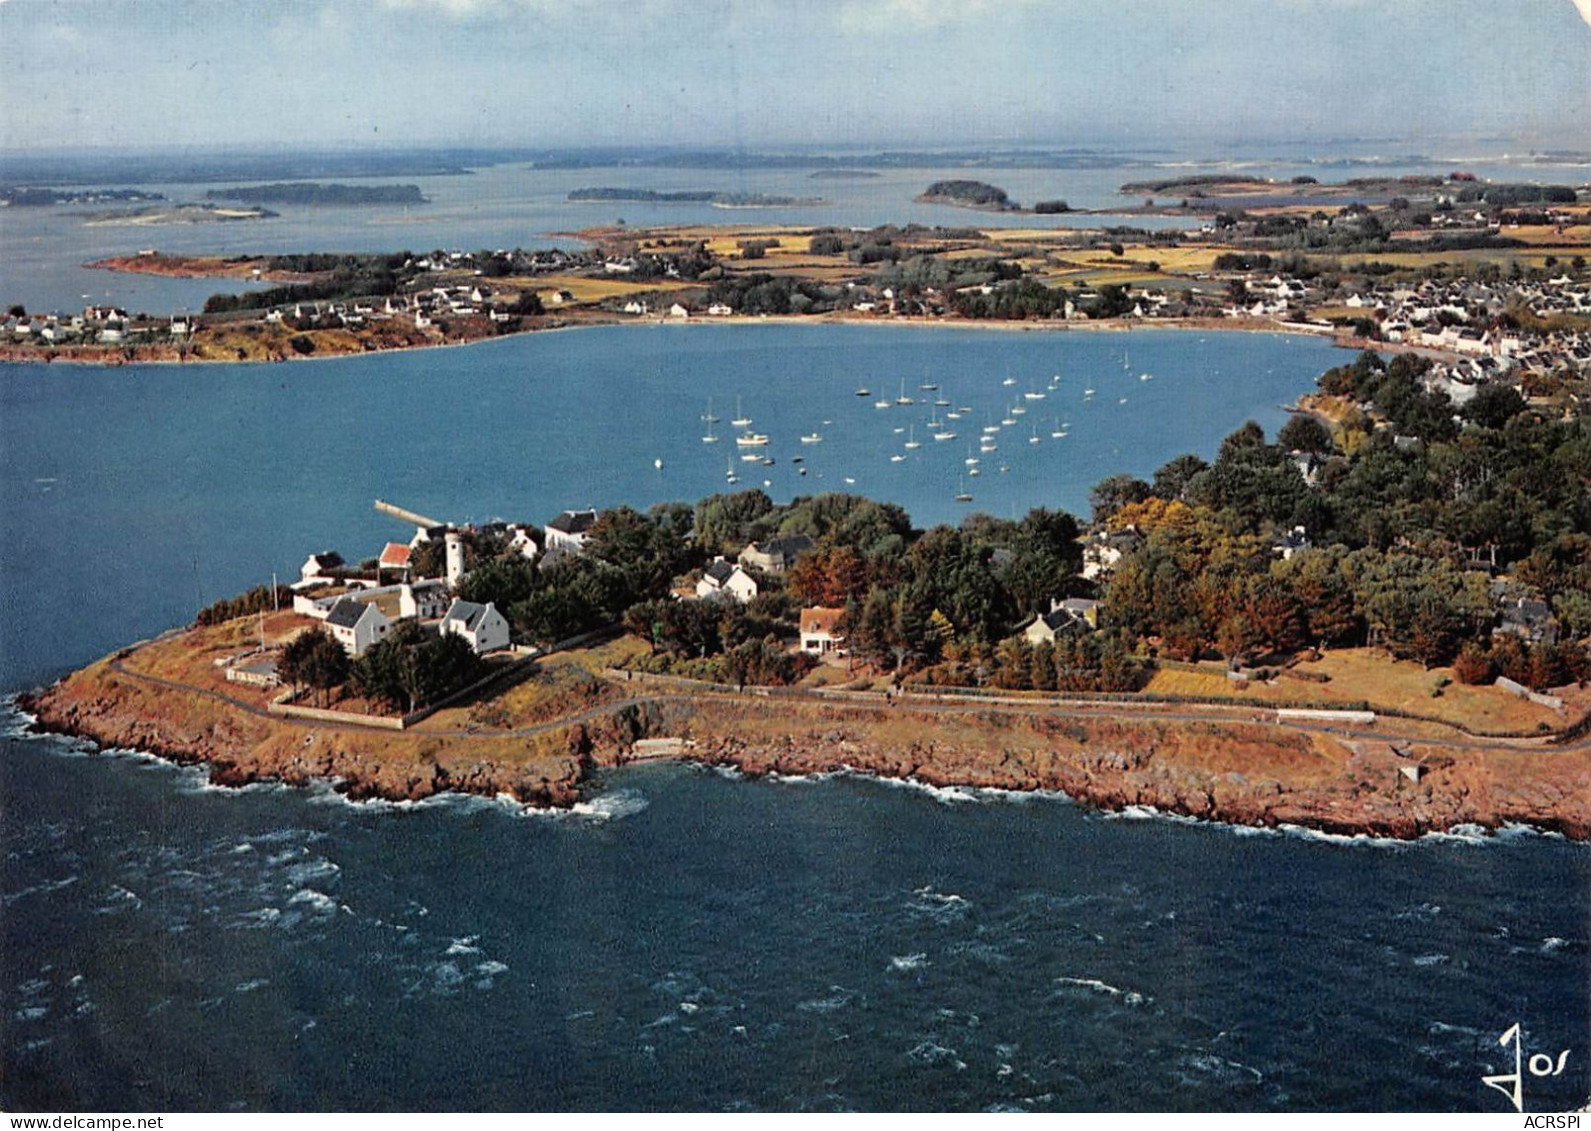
(688, 941)
(166, 487)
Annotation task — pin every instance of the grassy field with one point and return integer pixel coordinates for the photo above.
(592, 290)
(1361, 675)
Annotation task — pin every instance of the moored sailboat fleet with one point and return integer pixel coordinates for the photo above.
(942, 416)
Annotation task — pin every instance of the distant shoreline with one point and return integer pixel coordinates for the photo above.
(11, 356)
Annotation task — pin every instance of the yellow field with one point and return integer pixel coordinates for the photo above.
(595, 289)
(1363, 675)
(1572, 240)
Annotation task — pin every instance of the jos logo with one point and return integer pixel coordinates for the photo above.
(1512, 1084)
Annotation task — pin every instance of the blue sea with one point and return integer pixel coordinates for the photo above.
(687, 940)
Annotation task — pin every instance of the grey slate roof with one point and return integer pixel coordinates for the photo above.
(345, 613)
(573, 522)
(467, 613)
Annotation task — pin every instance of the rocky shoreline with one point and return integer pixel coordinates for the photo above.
(1113, 780)
(360, 765)
(1223, 771)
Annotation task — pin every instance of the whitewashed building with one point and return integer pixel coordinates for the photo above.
(726, 579)
(482, 625)
(356, 625)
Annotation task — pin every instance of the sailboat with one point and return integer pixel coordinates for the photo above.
(710, 418)
(1033, 395)
(1059, 431)
(903, 399)
(812, 438)
(963, 495)
(913, 442)
(1034, 439)
(729, 472)
(741, 419)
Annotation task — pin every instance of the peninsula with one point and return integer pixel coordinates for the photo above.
(1482, 277)
(1198, 646)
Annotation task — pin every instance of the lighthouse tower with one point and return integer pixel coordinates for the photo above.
(455, 559)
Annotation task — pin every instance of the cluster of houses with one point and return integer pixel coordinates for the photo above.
(360, 607)
(97, 325)
(361, 614)
(1461, 317)
(424, 308)
(725, 580)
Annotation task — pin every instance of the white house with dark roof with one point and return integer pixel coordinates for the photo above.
(522, 542)
(317, 568)
(424, 600)
(357, 625)
(570, 530)
(482, 625)
(726, 579)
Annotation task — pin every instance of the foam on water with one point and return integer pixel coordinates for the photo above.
(929, 1052)
(1094, 985)
(317, 901)
(608, 806)
(941, 907)
(837, 998)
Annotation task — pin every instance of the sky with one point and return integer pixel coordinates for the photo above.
(760, 74)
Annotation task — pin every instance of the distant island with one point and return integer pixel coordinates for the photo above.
(984, 197)
(968, 194)
(694, 196)
(176, 214)
(17, 197)
(844, 175)
(1202, 192)
(313, 193)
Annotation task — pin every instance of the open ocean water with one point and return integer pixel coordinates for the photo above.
(687, 940)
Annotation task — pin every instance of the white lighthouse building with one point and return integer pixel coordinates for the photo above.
(455, 559)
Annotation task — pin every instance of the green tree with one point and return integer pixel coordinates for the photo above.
(1304, 433)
